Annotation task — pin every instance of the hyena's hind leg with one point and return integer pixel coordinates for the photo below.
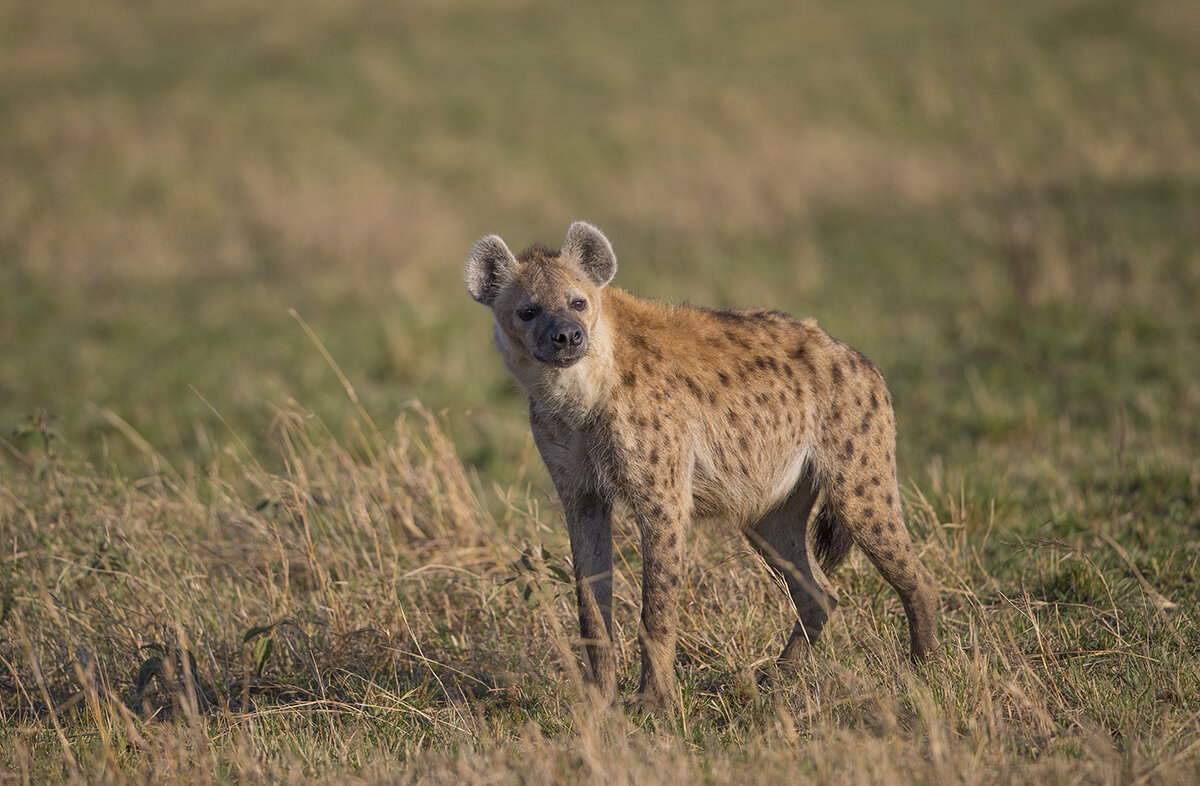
(893, 554)
(882, 536)
(863, 497)
(780, 538)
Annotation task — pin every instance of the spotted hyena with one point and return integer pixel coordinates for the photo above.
(682, 412)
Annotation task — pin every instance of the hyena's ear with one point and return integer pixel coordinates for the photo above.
(590, 248)
(490, 266)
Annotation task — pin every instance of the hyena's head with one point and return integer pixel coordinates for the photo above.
(545, 303)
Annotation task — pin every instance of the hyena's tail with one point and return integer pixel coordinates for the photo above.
(831, 540)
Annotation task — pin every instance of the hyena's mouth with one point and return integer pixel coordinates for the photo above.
(562, 359)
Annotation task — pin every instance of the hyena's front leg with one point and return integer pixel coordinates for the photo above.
(661, 522)
(589, 524)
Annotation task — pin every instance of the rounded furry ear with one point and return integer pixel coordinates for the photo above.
(489, 268)
(590, 248)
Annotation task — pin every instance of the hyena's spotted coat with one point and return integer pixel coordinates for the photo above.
(683, 412)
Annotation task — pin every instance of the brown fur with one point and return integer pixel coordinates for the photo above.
(682, 412)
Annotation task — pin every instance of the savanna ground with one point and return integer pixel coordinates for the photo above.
(236, 548)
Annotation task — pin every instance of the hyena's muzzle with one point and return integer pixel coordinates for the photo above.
(560, 342)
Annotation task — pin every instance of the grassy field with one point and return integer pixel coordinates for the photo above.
(268, 506)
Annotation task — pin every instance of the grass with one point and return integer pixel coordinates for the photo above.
(361, 613)
(236, 548)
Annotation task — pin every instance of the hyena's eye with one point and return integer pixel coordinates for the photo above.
(579, 304)
(528, 313)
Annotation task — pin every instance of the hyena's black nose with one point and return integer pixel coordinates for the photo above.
(567, 335)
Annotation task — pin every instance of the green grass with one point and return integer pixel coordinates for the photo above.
(1000, 205)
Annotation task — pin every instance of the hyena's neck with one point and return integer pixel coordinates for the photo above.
(580, 394)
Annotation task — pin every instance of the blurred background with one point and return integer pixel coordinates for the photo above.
(999, 203)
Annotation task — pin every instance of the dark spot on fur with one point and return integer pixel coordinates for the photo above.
(734, 338)
(654, 455)
(868, 513)
(744, 470)
(656, 511)
(656, 423)
(787, 369)
(874, 401)
(672, 540)
(693, 387)
(760, 362)
(889, 555)
(712, 398)
(848, 449)
(840, 479)
(874, 480)
(731, 416)
(629, 379)
(889, 500)
(742, 443)
(783, 398)
(638, 341)
(721, 375)
(863, 461)
(859, 490)
(891, 526)
(726, 315)
(876, 530)
(800, 354)
(837, 373)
